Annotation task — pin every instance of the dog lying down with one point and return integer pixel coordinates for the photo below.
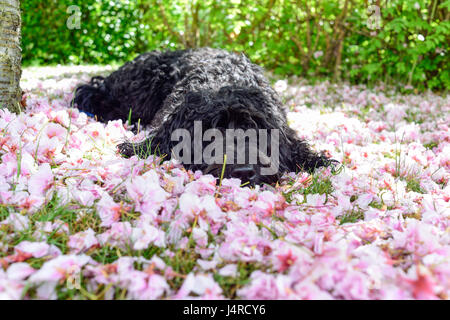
(212, 109)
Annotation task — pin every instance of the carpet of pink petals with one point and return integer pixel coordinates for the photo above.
(293, 247)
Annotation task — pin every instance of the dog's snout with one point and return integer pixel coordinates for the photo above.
(245, 173)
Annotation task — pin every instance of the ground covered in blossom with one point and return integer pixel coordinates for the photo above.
(77, 221)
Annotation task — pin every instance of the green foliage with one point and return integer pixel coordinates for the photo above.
(342, 40)
(410, 47)
(109, 31)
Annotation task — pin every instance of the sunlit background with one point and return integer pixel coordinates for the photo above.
(395, 41)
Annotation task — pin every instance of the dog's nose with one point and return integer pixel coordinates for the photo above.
(245, 173)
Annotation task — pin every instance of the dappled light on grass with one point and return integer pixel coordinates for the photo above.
(77, 221)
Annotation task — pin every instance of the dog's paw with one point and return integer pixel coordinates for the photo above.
(336, 166)
(126, 149)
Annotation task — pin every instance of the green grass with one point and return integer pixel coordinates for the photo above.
(431, 145)
(317, 185)
(230, 285)
(4, 212)
(376, 205)
(413, 184)
(351, 217)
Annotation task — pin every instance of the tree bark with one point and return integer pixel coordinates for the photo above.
(10, 55)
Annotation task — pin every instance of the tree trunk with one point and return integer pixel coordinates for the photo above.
(10, 55)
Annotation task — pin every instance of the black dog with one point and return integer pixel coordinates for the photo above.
(222, 90)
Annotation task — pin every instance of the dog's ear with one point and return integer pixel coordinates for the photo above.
(95, 100)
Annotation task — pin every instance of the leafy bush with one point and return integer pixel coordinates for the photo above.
(411, 46)
(398, 41)
(109, 31)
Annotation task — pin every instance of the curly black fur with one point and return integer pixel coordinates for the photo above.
(170, 90)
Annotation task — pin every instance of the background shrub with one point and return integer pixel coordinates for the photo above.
(110, 31)
(343, 39)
